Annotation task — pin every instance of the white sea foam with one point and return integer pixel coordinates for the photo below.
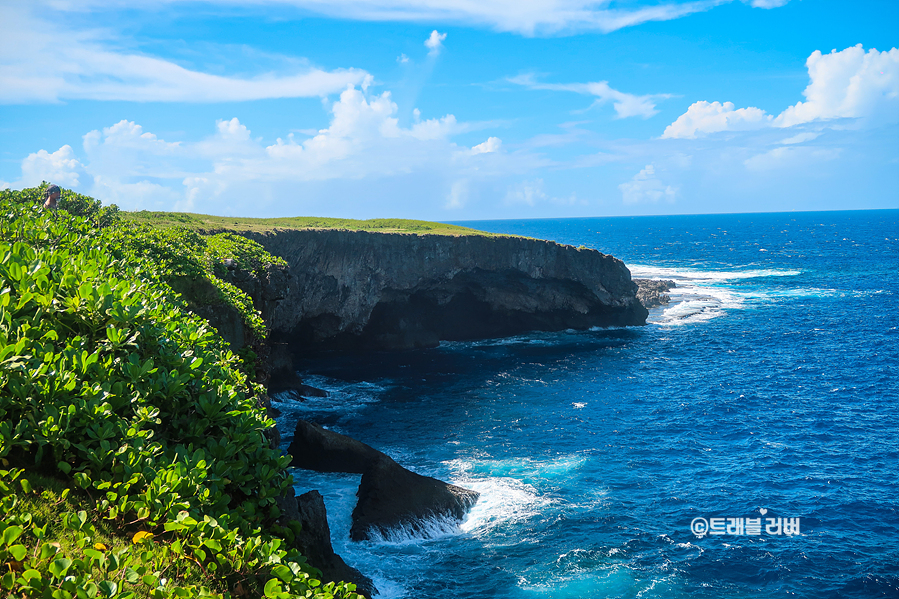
(502, 501)
(508, 491)
(643, 271)
(702, 295)
(518, 467)
(343, 397)
(416, 532)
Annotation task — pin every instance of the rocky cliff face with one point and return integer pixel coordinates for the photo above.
(395, 291)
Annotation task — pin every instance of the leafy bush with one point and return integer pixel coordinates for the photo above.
(136, 409)
(73, 203)
(180, 253)
(246, 253)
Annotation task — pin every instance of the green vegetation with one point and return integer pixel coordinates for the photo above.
(206, 223)
(133, 461)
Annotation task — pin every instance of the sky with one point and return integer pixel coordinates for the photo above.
(454, 109)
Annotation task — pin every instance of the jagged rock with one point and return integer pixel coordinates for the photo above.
(355, 289)
(651, 292)
(284, 375)
(308, 391)
(391, 496)
(314, 541)
(316, 448)
(273, 436)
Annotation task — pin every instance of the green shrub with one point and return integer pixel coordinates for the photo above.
(111, 390)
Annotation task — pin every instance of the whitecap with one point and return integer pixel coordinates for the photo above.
(502, 501)
(702, 295)
(645, 271)
(415, 532)
(343, 396)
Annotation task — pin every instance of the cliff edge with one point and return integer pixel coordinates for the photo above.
(362, 290)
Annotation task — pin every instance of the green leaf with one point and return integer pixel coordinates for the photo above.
(272, 588)
(150, 581)
(11, 533)
(18, 552)
(283, 572)
(108, 588)
(29, 574)
(59, 567)
(65, 467)
(48, 550)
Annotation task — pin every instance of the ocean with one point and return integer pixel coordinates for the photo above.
(745, 443)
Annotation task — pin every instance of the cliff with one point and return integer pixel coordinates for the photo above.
(355, 289)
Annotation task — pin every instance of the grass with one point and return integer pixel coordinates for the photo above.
(204, 223)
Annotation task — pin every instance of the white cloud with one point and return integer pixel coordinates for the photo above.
(458, 195)
(847, 84)
(233, 171)
(710, 117)
(526, 192)
(492, 144)
(768, 3)
(626, 105)
(526, 17)
(646, 188)
(791, 158)
(434, 43)
(34, 68)
(402, 59)
(139, 195)
(60, 167)
(800, 138)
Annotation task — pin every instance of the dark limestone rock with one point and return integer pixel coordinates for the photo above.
(652, 292)
(314, 541)
(391, 496)
(316, 448)
(273, 436)
(284, 376)
(354, 289)
(308, 391)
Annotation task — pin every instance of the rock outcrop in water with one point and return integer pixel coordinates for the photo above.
(389, 496)
(314, 540)
(355, 289)
(653, 292)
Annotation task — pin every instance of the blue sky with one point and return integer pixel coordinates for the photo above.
(454, 109)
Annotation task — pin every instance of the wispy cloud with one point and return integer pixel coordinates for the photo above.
(33, 68)
(646, 188)
(525, 17)
(434, 43)
(626, 105)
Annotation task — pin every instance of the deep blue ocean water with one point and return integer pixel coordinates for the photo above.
(769, 383)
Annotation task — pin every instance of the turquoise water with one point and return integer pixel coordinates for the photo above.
(768, 384)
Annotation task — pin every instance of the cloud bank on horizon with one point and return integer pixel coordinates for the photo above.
(376, 155)
(849, 84)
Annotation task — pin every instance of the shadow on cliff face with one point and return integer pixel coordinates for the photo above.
(472, 305)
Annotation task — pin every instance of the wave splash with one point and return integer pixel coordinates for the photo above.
(702, 295)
